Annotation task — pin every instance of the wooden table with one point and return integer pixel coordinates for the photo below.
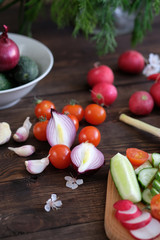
(22, 195)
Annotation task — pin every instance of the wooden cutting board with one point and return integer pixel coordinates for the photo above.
(113, 228)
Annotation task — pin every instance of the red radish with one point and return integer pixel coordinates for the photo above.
(138, 222)
(104, 94)
(131, 62)
(9, 52)
(155, 77)
(155, 92)
(100, 74)
(131, 213)
(150, 231)
(141, 103)
(123, 204)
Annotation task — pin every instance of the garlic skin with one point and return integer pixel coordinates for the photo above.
(22, 132)
(5, 132)
(23, 151)
(37, 166)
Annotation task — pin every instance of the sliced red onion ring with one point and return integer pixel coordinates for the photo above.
(86, 157)
(60, 129)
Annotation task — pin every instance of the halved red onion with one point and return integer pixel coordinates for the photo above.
(60, 129)
(86, 157)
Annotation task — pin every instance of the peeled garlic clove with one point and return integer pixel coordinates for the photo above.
(22, 133)
(37, 166)
(23, 151)
(5, 132)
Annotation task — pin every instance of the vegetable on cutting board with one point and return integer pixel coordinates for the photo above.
(136, 156)
(124, 177)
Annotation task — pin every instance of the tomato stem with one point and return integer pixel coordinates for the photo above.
(140, 125)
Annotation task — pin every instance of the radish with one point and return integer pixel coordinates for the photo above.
(131, 62)
(123, 204)
(150, 231)
(131, 213)
(141, 103)
(99, 74)
(155, 92)
(138, 222)
(104, 94)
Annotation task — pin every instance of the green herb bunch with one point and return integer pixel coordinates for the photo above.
(86, 16)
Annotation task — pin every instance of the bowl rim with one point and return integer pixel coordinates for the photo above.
(39, 77)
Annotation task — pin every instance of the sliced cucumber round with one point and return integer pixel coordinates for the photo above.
(146, 175)
(124, 178)
(147, 196)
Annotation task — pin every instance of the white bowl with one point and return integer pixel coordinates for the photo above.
(37, 52)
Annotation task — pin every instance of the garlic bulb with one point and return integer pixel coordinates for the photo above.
(23, 151)
(5, 132)
(37, 166)
(22, 133)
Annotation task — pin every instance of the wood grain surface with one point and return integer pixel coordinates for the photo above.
(22, 195)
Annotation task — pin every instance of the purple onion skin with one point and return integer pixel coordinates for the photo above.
(9, 52)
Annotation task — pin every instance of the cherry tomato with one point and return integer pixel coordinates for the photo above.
(75, 120)
(90, 134)
(74, 109)
(155, 206)
(94, 114)
(136, 156)
(43, 109)
(39, 130)
(59, 156)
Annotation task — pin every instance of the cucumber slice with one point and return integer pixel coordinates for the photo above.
(146, 175)
(144, 165)
(154, 191)
(156, 185)
(155, 159)
(157, 176)
(124, 178)
(146, 196)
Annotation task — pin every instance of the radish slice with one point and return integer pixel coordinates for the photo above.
(133, 212)
(138, 222)
(123, 205)
(150, 231)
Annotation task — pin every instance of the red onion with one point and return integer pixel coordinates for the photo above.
(60, 129)
(9, 52)
(86, 157)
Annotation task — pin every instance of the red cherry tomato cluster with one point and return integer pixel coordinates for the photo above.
(94, 114)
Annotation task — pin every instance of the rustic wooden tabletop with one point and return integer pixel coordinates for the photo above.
(22, 195)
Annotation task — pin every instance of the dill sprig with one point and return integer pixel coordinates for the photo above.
(94, 18)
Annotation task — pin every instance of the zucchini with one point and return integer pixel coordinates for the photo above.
(124, 177)
(156, 185)
(154, 191)
(146, 196)
(155, 159)
(146, 175)
(144, 165)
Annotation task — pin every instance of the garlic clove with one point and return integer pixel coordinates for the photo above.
(37, 166)
(23, 151)
(5, 132)
(22, 132)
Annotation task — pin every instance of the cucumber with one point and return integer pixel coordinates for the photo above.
(146, 196)
(155, 159)
(156, 185)
(154, 191)
(157, 176)
(146, 175)
(144, 165)
(5, 83)
(124, 177)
